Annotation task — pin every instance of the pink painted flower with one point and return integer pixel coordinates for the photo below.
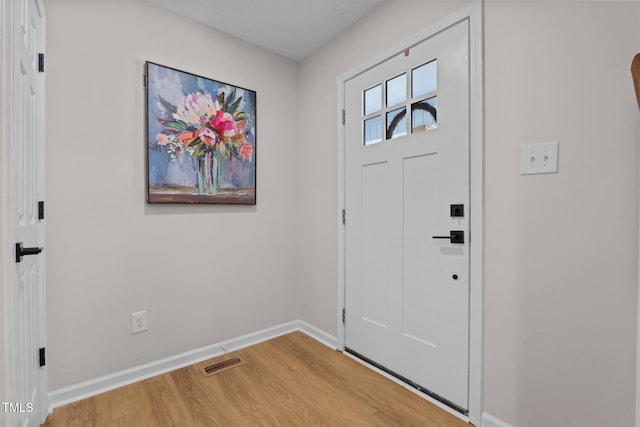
(246, 150)
(207, 136)
(224, 124)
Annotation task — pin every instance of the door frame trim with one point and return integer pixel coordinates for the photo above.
(474, 14)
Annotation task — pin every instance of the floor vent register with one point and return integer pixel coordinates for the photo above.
(210, 368)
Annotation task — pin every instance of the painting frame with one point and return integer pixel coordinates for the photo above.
(201, 139)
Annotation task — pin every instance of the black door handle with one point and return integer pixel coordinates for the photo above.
(455, 236)
(20, 251)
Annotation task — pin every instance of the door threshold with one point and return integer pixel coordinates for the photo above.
(448, 405)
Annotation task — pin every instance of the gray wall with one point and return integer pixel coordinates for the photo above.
(203, 273)
(561, 250)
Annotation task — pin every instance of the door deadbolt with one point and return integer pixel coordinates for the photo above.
(456, 211)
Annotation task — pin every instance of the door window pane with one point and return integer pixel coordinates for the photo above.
(373, 100)
(423, 114)
(424, 79)
(397, 90)
(373, 130)
(396, 123)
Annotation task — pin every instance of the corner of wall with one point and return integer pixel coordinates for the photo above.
(491, 421)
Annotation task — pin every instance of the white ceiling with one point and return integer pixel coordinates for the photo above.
(291, 28)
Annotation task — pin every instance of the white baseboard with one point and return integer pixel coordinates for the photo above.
(83, 390)
(491, 421)
(317, 334)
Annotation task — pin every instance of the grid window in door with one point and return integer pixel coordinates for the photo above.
(386, 105)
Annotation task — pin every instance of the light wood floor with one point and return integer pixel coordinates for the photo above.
(288, 381)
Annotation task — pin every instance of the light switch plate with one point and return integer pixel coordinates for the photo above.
(539, 158)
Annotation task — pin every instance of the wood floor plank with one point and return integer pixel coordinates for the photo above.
(167, 403)
(291, 380)
(200, 399)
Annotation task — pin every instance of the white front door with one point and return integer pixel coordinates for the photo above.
(25, 290)
(407, 192)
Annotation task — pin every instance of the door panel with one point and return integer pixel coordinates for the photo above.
(374, 248)
(407, 161)
(25, 175)
(420, 256)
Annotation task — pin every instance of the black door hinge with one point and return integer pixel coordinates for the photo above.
(344, 118)
(344, 315)
(41, 62)
(344, 216)
(41, 210)
(43, 360)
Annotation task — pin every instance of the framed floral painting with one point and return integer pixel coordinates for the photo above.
(201, 139)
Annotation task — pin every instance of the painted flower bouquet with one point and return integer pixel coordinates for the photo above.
(210, 130)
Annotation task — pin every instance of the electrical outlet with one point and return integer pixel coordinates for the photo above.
(139, 322)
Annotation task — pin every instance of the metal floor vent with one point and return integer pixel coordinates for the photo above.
(217, 367)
